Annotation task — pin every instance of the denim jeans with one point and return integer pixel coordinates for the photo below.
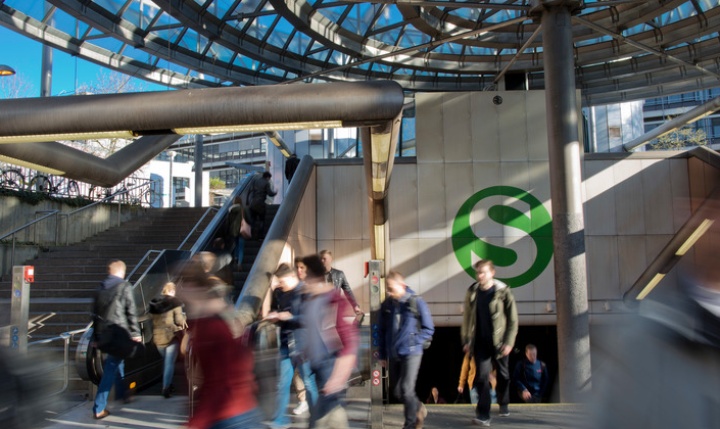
(325, 403)
(113, 373)
(406, 368)
(169, 354)
(285, 375)
(248, 420)
(239, 251)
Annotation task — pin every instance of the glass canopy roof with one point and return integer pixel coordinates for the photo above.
(624, 49)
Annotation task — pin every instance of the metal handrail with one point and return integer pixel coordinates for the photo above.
(27, 225)
(197, 225)
(104, 200)
(142, 260)
(66, 337)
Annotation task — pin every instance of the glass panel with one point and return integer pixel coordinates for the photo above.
(299, 43)
(33, 8)
(280, 33)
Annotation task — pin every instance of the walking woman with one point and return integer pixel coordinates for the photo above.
(168, 321)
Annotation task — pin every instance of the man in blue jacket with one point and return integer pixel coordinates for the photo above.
(406, 328)
(531, 376)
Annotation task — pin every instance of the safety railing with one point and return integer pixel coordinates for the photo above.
(107, 199)
(13, 233)
(197, 225)
(66, 338)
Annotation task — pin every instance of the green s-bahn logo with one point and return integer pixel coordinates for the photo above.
(538, 226)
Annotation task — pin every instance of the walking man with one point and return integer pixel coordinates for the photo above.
(338, 280)
(490, 324)
(260, 190)
(114, 307)
(405, 330)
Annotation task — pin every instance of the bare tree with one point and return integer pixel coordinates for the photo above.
(681, 138)
(16, 86)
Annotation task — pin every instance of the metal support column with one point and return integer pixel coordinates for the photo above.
(199, 140)
(565, 153)
(47, 61)
(378, 380)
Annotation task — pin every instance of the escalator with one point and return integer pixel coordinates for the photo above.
(145, 369)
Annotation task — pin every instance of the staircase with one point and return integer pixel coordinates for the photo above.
(67, 276)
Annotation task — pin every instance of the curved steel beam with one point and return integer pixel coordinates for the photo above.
(79, 165)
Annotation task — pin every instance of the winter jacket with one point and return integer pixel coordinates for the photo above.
(411, 335)
(503, 313)
(123, 313)
(168, 318)
(532, 377)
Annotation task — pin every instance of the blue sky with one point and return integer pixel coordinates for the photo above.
(25, 56)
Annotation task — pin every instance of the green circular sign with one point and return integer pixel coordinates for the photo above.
(538, 226)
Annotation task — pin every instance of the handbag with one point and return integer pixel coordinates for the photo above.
(245, 230)
(116, 341)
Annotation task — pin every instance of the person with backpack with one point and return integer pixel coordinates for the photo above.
(115, 328)
(488, 331)
(405, 331)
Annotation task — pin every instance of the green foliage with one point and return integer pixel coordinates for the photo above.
(34, 198)
(217, 183)
(680, 139)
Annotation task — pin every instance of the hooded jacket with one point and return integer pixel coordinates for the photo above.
(123, 313)
(168, 318)
(503, 313)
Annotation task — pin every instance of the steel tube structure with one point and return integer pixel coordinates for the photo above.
(565, 151)
(352, 104)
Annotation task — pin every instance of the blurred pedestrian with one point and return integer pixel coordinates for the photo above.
(660, 369)
(434, 397)
(330, 345)
(114, 321)
(168, 322)
(490, 324)
(238, 230)
(286, 314)
(223, 349)
(531, 376)
(405, 328)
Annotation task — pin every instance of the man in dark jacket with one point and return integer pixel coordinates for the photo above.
(531, 376)
(488, 331)
(291, 166)
(260, 189)
(114, 307)
(405, 327)
(338, 280)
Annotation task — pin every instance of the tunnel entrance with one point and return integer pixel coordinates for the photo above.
(442, 361)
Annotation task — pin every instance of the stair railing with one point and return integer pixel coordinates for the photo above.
(107, 199)
(66, 338)
(13, 233)
(197, 225)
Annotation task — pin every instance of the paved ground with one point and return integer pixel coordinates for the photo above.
(152, 411)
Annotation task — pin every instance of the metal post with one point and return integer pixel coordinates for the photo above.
(171, 154)
(377, 379)
(199, 140)
(565, 152)
(23, 275)
(46, 62)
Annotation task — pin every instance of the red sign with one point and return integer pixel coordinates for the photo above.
(376, 381)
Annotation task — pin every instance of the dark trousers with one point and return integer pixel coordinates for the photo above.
(406, 370)
(482, 384)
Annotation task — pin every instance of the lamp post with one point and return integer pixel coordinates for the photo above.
(171, 154)
(6, 70)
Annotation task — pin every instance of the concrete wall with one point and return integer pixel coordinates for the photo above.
(490, 160)
(303, 233)
(15, 213)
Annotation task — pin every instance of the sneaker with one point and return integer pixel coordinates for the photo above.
(504, 412)
(301, 408)
(481, 422)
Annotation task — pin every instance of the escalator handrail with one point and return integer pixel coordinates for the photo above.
(258, 280)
